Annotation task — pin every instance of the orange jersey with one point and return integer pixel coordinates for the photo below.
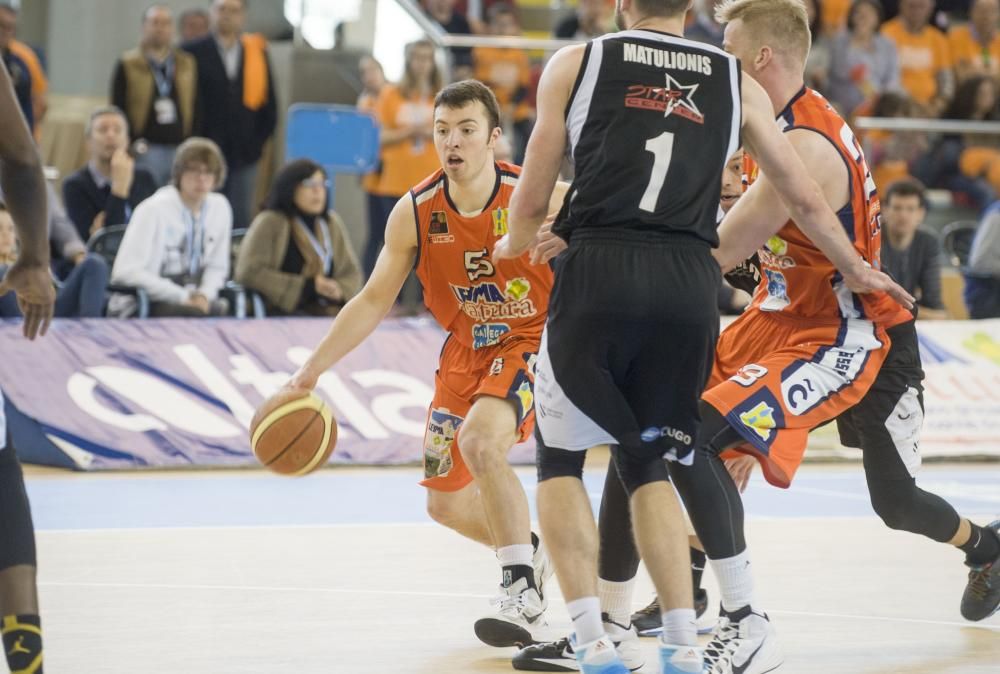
(921, 57)
(967, 51)
(481, 302)
(796, 278)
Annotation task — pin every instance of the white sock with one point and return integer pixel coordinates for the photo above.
(586, 615)
(680, 627)
(511, 555)
(735, 578)
(616, 599)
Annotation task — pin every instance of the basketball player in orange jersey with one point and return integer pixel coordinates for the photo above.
(31, 281)
(494, 312)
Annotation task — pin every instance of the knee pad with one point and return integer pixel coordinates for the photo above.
(638, 469)
(17, 534)
(553, 462)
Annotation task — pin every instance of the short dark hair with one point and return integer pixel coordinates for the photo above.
(499, 9)
(874, 4)
(661, 7)
(460, 94)
(907, 187)
(100, 112)
(196, 150)
(282, 194)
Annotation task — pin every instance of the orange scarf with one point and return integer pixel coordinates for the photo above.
(254, 71)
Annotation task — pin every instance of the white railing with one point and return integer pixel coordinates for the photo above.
(929, 125)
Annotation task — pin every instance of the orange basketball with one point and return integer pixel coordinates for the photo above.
(293, 433)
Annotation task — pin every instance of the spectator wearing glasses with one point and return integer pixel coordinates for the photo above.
(297, 253)
(177, 246)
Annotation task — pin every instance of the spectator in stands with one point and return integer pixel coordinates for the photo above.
(591, 19)
(372, 83)
(236, 94)
(406, 114)
(817, 72)
(911, 254)
(177, 246)
(20, 75)
(975, 46)
(39, 82)
(705, 28)
(194, 24)
(156, 86)
(508, 73)
(978, 155)
(110, 186)
(924, 55)
(892, 153)
(982, 278)
(297, 253)
(834, 15)
(863, 63)
(81, 295)
(454, 22)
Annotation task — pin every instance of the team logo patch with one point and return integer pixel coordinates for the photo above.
(760, 419)
(777, 245)
(530, 359)
(517, 289)
(775, 254)
(672, 98)
(777, 290)
(500, 221)
(437, 231)
(438, 440)
(488, 334)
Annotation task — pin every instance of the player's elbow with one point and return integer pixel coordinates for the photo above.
(23, 157)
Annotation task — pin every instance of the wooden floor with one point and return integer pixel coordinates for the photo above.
(846, 594)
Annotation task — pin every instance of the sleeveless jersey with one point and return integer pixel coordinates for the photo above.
(796, 278)
(481, 302)
(652, 120)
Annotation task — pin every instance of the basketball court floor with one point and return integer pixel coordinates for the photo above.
(342, 572)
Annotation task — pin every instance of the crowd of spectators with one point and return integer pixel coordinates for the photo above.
(172, 161)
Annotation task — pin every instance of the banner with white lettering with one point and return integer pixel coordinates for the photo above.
(104, 394)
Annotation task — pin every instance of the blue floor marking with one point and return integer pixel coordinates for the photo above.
(334, 497)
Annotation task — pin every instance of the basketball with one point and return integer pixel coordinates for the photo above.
(293, 433)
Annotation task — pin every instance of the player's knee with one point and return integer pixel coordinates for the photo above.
(18, 547)
(638, 469)
(894, 507)
(482, 450)
(442, 507)
(553, 462)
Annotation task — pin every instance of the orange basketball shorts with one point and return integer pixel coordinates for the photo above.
(506, 371)
(776, 378)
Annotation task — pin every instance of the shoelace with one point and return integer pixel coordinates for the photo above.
(979, 581)
(723, 644)
(506, 602)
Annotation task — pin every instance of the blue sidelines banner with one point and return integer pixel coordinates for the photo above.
(106, 394)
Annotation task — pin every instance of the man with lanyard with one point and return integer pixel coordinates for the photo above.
(156, 86)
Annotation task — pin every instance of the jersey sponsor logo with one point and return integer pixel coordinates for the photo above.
(760, 419)
(485, 302)
(777, 291)
(500, 221)
(437, 230)
(748, 374)
(663, 58)
(654, 433)
(477, 264)
(497, 367)
(774, 253)
(672, 98)
(442, 426)
(489, 334)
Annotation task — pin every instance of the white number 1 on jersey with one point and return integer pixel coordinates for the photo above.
(662, 148)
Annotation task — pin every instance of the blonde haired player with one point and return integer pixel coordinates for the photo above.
(494, 311)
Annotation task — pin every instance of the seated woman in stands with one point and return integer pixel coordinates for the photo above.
(81, 295)
(297, 253)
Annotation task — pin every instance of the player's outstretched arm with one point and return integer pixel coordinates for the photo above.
(24, 187)
(365, 311)
(789, 178)
(529, 205)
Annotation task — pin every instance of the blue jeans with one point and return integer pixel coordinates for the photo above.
(82, 294)
(158, 160)
(239, 189)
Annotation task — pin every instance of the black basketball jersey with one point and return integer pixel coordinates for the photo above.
(652, 120)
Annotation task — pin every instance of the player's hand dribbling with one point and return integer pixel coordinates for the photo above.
(302, 380)
(36, 295)
(740, 470)
(869, 280)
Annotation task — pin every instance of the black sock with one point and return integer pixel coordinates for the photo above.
(514, 572)
(697, 567)
(982, 547)
(534, 541)
(22, 642)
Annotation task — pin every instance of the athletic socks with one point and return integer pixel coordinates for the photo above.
(22, 643)
(735, 578)
(616, 599)
(982, 547)
(697, 567)
(517, 564)
(680, 627)
(586, 615)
